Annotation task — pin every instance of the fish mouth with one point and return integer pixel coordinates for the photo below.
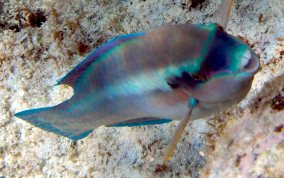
(250, 62)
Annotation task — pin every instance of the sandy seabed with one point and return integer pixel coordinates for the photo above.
(41, 40)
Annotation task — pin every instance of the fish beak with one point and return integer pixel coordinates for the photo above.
(250, 62)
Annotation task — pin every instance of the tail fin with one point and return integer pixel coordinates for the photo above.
(49, 119)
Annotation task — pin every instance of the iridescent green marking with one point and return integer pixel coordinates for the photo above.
(194, 65)
(236, 55)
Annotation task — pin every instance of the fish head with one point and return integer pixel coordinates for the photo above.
(225, 75)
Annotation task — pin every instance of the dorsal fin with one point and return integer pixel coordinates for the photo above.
(74, 74)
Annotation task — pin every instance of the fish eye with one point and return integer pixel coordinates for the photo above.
(186, 76)
(185, 79)
(198, 77)
(193, 77)
(173, 83)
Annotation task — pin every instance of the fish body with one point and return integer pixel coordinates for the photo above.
(149, 78)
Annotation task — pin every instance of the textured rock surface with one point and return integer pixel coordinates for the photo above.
(253, 145)
(41, 40)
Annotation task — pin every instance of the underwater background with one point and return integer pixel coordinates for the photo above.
(41, 40)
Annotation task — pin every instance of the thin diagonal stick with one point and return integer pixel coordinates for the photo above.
(179, 130)
(224, 12)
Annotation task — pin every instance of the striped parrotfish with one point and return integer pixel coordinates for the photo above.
(152, 77)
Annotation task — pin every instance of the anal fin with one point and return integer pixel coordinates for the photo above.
(140, 122)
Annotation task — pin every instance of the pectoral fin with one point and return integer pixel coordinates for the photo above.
(179, 130)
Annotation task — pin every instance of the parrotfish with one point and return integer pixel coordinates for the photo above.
(152, 77)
